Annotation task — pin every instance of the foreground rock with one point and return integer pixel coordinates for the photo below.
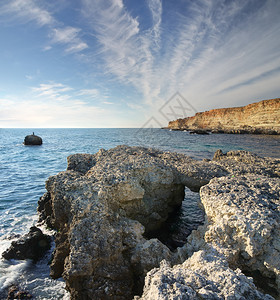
(243, 216)
(31, 246)
(257, 118)
(103, 204)
(33, 139)
(205, 275)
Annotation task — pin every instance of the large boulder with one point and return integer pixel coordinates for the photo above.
(31, 246)
(33, 139)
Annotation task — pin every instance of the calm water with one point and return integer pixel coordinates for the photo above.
(24, 170)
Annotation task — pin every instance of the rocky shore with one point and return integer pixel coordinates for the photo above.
(257, 118)
(102, 205)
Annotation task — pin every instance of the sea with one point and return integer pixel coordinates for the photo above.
(24, 170)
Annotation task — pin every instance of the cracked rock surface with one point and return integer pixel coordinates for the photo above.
(103, 203)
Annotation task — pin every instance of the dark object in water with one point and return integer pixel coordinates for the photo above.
(33, 140)
(16, 293)
(199, 131)
(31, 246)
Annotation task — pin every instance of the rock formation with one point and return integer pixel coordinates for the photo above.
(261, 117)
(15, 293)
(103, 203)
(31, 246)
(33, 140)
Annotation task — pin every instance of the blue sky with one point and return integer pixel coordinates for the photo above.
(115, 63)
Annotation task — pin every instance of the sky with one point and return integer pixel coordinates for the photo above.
(133, 63)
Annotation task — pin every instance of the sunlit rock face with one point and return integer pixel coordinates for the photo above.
(244, 221)
(103, 203)
(205, 275)
(261, 117)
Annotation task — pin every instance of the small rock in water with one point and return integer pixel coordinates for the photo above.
(33, 140)
(15, 293)
(31, 246)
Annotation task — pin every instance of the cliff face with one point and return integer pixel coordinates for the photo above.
(260, 117)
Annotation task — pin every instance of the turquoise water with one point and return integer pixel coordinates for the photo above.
(24, 170)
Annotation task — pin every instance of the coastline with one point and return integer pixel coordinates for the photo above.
(33, 166)
(257, 118)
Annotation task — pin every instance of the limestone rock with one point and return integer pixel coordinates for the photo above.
(33, 140)
(205, 275)
(243, 162)
(244, 221)
(257, 118)
(103, 203)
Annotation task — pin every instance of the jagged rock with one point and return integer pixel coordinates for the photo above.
(244, 162)
(33, 140)
(218, 154)
(205, 275)
(243, 216)
(103, 204)
(31, 246)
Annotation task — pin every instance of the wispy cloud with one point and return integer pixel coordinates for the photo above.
(90, 92)
(51, 104)
(69, 36)
(54, 91)
(126, 52)
(203, 49)
(155, 7)
(35, 11)
(27, 11)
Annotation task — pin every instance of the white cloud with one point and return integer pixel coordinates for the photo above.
(54, 91)
(27, 10)
(156, 11)
(90, 92)
(126, 52)
(65, 35)
(30, 10)
(69, 36)
(41, 114)
(52, 105)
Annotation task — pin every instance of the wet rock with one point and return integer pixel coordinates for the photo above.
(31, 246)
(33, 140)
(15, 293)
(45, 210)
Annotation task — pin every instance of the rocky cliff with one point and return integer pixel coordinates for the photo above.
(102, 205)
(261, 117)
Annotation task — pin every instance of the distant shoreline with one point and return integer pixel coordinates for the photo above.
(257, 118)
